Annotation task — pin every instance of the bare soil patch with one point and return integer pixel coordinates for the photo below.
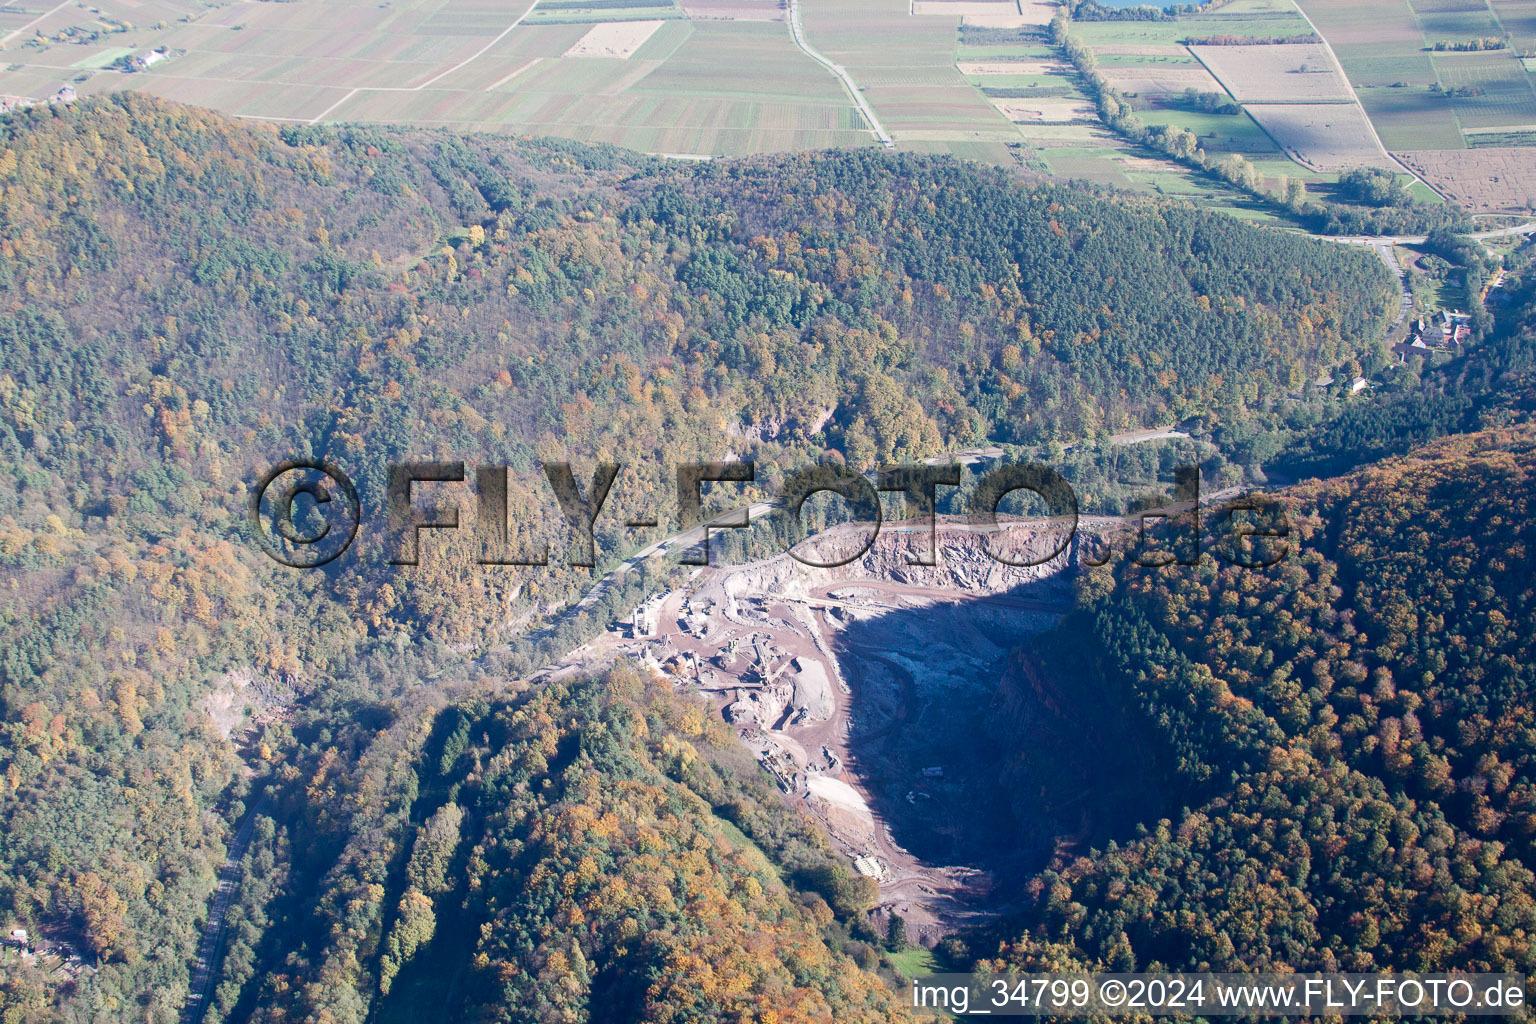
(1030, 111)
(1161, 81)
(1324, 136)
(1483, 180)
(1288, 73)
(614, 39)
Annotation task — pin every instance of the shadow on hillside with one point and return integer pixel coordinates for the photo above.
(985, 735)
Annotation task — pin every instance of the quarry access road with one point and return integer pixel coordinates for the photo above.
(756, 510)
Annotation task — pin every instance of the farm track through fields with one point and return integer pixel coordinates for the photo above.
(1355, 98)
(437, 77)
(798, 32)
(16, 32)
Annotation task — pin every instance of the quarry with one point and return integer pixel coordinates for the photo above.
(859, 689)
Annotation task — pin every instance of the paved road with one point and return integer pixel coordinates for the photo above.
(211, 950)
(1518, 229)
(1143, 436)
(1383, 245)
(1399, 330)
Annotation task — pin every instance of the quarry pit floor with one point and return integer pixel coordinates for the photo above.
(840, 680)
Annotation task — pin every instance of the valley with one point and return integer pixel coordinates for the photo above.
(647, 791)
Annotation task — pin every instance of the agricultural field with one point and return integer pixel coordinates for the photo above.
(1046, 111)
(1482, 180)
(641, 73)
(37, 20)
(907, 72)
(694, 78)
(1518, 18)
(1313, 109)
(1160, 81)
(1455, 19)
(1382, 50)
(1323, 136)
(1151, 68)
(1300, 73)
(1242, 18)
(1030, 84)
(1218, 133)
(1501, 90)
(1420, 99)
(1153, 78)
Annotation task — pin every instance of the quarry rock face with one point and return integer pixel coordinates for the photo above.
(806, 424)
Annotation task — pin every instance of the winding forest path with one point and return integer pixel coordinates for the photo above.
(211, 950)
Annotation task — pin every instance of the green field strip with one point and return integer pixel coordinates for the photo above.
(667, 14)
(1224, 133)
(665, 41)
(1511, 136)
(104, 58)
(1100, 170)
(551, 6)
(1384, 72)
(1274, 167)
(583, 12)
(1412, 118)
(903, 107)
(1121, 61)
(670, 14)
(1221, 22)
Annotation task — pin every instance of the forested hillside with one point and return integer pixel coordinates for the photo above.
(584, 851)
(195, 299)
(1350, 737)
(189, 300)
